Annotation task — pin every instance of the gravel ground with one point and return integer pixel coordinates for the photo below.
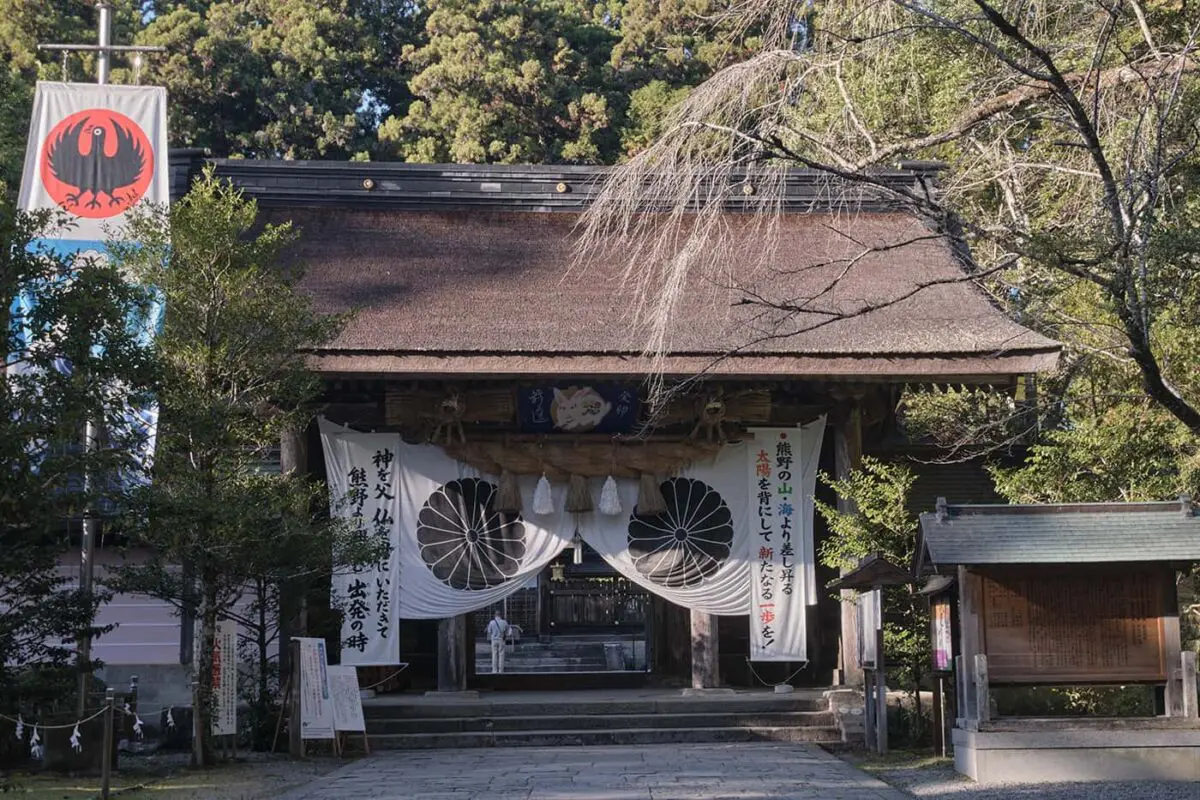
(935, 779)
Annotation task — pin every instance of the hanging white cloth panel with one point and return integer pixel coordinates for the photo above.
(696, 554)
(364, 486)
(782, 470)
(457, 554)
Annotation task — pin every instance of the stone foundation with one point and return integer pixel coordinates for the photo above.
(1087, 750)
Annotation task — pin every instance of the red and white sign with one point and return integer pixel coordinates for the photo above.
(95, 152)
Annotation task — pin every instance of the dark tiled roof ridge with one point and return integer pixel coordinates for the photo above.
(1112, 506)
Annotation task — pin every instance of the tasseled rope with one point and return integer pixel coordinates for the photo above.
(610, 501)
(508, 494)
(579, 496)
(650, 499)
(543, 501)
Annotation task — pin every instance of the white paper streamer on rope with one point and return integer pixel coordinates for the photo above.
(543, 497)
(457, 554)
(138, 729)
(610, 498)
(782, 471)
(364, 486)
(20, 727)
(35, 745)
(695, 554)
(76, 743)
(170, 720)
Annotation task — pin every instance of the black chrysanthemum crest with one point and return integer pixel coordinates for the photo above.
(686, 543)
(465, 541)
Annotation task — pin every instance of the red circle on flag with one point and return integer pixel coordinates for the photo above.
(97, 163)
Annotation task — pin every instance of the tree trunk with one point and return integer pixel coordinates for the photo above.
(264, 663)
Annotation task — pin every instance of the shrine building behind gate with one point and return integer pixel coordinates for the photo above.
(468, 305)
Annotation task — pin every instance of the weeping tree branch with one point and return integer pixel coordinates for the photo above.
(1106, 139)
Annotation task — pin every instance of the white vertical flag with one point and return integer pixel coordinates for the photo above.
(783, 474)
(363, 473)
(95, 152)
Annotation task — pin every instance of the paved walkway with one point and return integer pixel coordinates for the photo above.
(754, 771)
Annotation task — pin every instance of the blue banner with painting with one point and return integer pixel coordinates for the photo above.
(579, 408)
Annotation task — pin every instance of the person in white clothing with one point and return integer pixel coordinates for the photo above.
(497, 632)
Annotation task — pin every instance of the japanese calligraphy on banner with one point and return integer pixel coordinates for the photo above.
(364, 487)
(783, 477)
(225, 675)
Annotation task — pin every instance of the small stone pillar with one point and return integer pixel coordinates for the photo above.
(706, 670)
(452, 654)
(847, 452)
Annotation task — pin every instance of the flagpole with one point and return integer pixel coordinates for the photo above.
(104, 49)
(91, 433)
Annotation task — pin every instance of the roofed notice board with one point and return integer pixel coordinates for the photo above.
(1046, 624)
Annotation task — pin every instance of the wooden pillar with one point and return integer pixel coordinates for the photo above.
(452, 654)
(706, 670)
(293, 459)
(847, 451)
(939, 715)
(1173, 695)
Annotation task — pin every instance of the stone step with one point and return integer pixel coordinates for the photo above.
(533, 658)
(383, 708)
(535, 669)
(616, 736)
(798, 719)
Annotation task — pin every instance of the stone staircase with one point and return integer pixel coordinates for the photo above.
(541, 720)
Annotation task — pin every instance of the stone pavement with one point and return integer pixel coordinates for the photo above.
(753, 771)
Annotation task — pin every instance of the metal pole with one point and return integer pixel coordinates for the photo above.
(91, 434)
(104, 40)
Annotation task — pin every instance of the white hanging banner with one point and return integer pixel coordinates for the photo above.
(457, 552)
(364, 486)
(782, 471)
(95, 152)
(225, 675)
(696, 553)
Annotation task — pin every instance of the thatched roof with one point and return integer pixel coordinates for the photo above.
(497, 292)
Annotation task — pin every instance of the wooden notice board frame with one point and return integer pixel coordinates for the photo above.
(1076, 624)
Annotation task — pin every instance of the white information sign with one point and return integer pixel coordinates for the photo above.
(225, 677)
(347, 702)
(316, 705)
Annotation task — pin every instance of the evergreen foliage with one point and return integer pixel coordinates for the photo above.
(214, 521)
(81, 361)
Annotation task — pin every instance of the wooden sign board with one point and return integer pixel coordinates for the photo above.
(347, 700)
(870, 621)
(1085, 624)
(941, 633)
